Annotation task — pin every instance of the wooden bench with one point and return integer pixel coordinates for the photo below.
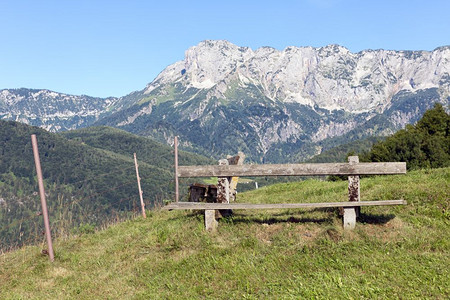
(353, 169)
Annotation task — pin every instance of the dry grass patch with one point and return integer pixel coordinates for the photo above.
(265, 232)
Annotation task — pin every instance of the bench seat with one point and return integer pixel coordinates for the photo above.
(205, 206)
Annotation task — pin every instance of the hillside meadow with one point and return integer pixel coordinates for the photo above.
(394, 252)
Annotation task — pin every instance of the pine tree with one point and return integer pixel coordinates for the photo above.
(424, 145)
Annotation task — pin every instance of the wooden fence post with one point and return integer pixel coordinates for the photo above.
(37, 162)
(223, 186)
(176, 169)
(139, 186)
(350, 213)
(235, 160)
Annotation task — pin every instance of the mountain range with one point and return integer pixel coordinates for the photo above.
(275, 106)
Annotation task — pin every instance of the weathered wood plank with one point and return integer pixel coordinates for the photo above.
(386, 168)
(235, 160)
(354, 191)
(208, 206)
(223, 185)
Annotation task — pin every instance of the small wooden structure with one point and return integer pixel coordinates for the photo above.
(222, 192)
(202, 193)
(199, 192)
(350, 209)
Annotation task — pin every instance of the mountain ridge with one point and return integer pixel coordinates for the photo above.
(51, 110)
(332, 62)
(222, 98)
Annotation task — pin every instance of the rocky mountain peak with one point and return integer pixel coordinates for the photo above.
(330, 77)
(211, 61)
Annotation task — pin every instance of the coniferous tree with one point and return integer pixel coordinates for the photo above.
(424, 145)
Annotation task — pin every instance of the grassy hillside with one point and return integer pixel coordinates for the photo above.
(87, 183)
(395, 252)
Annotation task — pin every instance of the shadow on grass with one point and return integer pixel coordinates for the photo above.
(286, 217)
(282, 217)
(246, 219)
(375, 219)
(289, 211)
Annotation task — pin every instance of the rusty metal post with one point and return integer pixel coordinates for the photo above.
(176, 169)
(139, 186)
(42, 194)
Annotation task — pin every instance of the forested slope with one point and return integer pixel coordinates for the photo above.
(85, 184)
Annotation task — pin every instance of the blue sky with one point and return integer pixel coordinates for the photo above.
(111, 48)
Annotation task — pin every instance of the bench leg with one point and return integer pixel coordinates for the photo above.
(354, 190)
(349, 218)
(210, 220)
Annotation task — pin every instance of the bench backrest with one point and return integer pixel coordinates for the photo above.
(350, 169)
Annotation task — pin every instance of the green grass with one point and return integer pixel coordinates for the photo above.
(169, 94)
(213, 180)
(395, 252)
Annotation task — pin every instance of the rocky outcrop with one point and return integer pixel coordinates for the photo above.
(330, 77)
